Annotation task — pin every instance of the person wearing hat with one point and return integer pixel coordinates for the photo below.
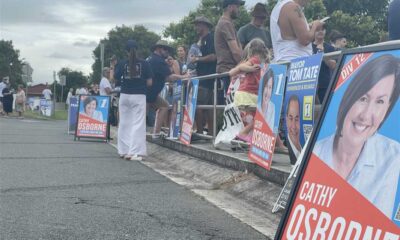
(338, 40)
(291, 35)
(205, 65)
(256, 28)
(227, 46)
(161, 74)
(134, 76)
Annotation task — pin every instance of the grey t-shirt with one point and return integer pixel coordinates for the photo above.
(248, 32)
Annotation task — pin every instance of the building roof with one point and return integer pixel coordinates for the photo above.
(36, 89)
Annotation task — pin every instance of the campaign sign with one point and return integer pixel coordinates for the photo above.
(176, 115)
(46, 107)
(72, 113)
(232, 122)
(299, 102)
(266, 123)
(189, 111)
(93, 116)
(349, 182)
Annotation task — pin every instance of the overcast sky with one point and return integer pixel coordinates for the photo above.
(52, 34)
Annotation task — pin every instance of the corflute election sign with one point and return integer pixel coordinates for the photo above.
(189, 111)
(266, 123)
(349, 182)
(93, 116)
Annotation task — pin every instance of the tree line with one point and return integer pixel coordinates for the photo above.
(363, 21)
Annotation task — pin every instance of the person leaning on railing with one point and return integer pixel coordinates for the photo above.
(161, 74)
(205, 65)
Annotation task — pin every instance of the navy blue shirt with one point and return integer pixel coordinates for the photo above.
(160, 71)
(136, 84)
(206, 68)
(325, 72)
(394, 20)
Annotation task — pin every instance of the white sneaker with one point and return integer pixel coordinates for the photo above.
(136, 158)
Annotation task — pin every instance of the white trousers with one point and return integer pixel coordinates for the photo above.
(132, 125)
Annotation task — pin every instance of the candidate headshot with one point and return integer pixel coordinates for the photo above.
(368, 160)
(89, 107)
(292, 119)
(267, 106)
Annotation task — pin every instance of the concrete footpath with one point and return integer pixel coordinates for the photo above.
(54, 188)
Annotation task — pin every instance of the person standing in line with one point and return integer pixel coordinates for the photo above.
(47, 93)
(105, 85)
(69, 96)
(338, 40)
(3, 84)
(205, 65)
(394, 20)
(328, 65)
(256, 28)
(290, 32)
(20, 100)
(162, 74)
(7, 99)
(133, 76)
(227, 46)
(181, 51)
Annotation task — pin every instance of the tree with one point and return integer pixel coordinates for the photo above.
(183, 32)
(114, 44)
(10, 65)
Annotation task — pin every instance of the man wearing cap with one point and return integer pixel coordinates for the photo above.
(161, 74)
(206, 64)
(227, 45)
(338, 40)
(256, 28)
(290, 33)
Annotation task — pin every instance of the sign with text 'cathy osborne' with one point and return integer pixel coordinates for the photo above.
(93, 117)
(349, 183)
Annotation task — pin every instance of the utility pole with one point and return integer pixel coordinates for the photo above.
(54, 101)
(102, 57)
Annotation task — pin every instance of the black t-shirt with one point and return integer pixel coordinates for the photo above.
(206, 68)
(160, 71)
(137, 84)
(325, 73)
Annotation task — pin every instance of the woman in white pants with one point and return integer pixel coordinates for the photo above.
(133, 76)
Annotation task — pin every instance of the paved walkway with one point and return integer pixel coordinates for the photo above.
(54, 188)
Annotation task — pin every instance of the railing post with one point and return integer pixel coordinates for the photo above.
(215, 109)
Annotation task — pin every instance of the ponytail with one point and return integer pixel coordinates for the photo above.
(132, 63)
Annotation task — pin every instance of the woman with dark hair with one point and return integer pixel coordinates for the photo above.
(133, 76)
(89, 107)
(7, 99)
(357, 151)
(268, 107)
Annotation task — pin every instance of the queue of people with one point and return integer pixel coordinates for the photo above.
(219, 51)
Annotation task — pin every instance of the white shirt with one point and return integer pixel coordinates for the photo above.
(82, 91)
(269, 116)
(2, 86)
(285, 50)
(68, 97)
(47, 93)
(104, 83)
(376, 172)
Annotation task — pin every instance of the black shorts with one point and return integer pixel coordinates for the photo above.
(205, 96)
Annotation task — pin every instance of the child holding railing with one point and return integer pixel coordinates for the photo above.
(255, 56)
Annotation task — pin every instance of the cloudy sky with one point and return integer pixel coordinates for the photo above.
(52, 34)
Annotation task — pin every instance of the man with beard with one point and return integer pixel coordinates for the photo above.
(227, 45)
(290, 32)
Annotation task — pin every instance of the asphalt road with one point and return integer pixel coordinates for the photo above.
(54, 188)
